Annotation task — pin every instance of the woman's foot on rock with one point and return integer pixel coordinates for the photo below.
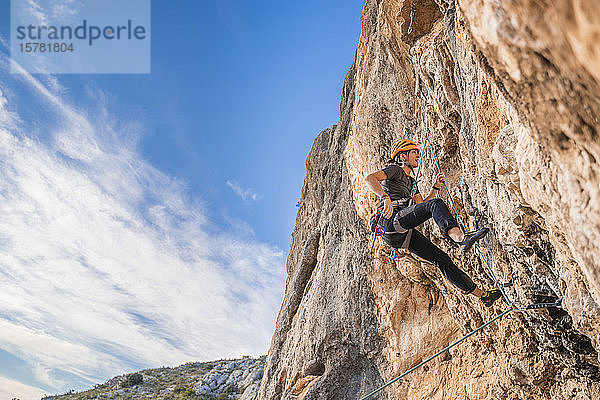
(490, 297)
(472, 238)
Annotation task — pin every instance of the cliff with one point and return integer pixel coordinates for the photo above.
(508, 94)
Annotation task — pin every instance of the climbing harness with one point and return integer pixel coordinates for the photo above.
(511, 305)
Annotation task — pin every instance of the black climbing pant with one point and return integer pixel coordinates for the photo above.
(423, 247)
(415, 215)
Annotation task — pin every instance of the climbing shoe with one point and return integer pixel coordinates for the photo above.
(490, 297)
(473, 237)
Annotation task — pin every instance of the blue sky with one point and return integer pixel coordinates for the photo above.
(146, 218)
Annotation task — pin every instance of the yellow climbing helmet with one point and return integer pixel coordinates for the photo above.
(403, 145)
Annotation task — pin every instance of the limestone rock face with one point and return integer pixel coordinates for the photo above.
(507, 95)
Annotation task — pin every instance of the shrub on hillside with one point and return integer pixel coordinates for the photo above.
(132, 380)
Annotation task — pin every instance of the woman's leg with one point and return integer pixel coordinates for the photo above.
(415, 215)
(422, 247)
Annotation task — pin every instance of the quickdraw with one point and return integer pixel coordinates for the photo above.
(412, 16)
(379, 229)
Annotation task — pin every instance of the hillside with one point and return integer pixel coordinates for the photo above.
(216, 380)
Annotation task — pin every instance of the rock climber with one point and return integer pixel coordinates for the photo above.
(393, 185)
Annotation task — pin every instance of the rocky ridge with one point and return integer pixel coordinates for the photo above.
(216, 380)
(508, 93)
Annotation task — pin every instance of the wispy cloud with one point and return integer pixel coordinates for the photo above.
(4, 42)
(106, 264)
(245, 194)
(34, 10)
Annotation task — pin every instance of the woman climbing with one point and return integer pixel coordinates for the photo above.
(393, 185)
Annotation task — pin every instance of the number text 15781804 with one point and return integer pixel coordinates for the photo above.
(46, 47)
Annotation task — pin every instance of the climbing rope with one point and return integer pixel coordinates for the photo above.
(462, 224)
(464, 228)
(436, 354)
(511, 305)
(557, 303)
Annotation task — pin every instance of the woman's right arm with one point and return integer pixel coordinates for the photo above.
(374, 185)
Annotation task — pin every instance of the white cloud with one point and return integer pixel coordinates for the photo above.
(245, 194)
(8, 119)
(10, 389)
(106, 264)
(242, 228)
